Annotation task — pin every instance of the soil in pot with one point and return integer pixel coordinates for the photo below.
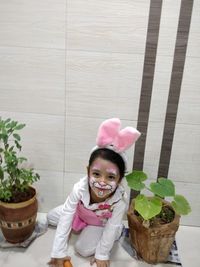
(165, 216)
(18, 196)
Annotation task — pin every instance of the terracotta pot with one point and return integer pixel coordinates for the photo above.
(17, 220)
(152, 244)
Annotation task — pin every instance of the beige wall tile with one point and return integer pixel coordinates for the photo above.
(33, 23)
(160, 91)
(184, 163)
(42, 139)
(189, 108)
(117, 26)
(49, 190)
(190, 190)
(193, 48)
(32, 80)
(103, 84)
(168, 27)
(69, 180)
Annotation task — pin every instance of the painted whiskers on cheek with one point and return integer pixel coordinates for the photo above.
(111, 186)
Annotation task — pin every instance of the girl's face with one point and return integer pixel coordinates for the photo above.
(104, 177)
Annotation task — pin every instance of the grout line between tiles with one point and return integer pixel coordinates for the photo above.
(88, 51)
(65, 110)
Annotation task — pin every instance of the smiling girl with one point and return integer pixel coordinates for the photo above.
(97, 203)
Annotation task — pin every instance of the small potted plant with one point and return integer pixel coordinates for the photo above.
(18, 203)
(153, 221)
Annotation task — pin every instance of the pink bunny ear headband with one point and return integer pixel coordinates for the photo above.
(110, 136)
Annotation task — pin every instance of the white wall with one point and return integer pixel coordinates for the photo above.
(65, 66)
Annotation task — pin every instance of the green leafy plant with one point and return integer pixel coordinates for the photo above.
(14, 179)
(150, 208)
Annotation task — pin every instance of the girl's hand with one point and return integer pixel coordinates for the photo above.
(58, 262)
(100, 263)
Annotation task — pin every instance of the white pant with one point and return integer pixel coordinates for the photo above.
(89, 233)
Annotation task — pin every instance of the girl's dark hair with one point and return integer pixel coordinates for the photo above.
(110, 155)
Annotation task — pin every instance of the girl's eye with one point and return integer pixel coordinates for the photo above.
(111, 177)
(96, 174)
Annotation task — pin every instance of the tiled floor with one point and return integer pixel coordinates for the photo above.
(38, 253)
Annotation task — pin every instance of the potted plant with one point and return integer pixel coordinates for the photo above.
(18, 203)
(153, 221)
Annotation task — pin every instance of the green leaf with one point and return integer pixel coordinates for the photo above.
(4, 138)
(21, 159)
(147, 207)
(8, 120)
(7, 195)
(163, 188)
(11, 148)
(1, 173)
(135, 180)
(181, 205)
(18, 145)
(4, 131)
(13, 124)
(8, 125)
(16, 136)
(20, 126)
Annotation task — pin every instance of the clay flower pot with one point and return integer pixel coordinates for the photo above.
(152, 244)
(17, 220)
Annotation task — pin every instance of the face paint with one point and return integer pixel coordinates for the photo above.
(96, 167)
(100, 193)
(113, 185)
(102, 189)
(103, 177)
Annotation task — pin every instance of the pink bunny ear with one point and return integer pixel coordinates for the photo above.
(126, 138)
(107, 132)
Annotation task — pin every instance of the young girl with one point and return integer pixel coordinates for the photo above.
(97, 203)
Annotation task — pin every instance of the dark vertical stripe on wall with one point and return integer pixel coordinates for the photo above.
(175, 85)
(147, 83)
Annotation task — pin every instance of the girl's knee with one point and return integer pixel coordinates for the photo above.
(84, 252)
(88, 240)
(53, 216)
(51, 219)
